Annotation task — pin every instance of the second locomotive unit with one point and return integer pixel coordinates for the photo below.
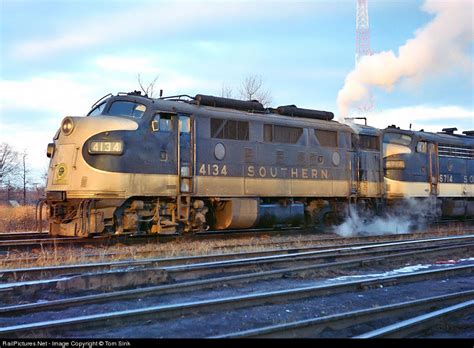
(180, 164)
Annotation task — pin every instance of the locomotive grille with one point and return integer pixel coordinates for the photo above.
(280, 157)
(446, 150)
(84, 181)
(248, 155)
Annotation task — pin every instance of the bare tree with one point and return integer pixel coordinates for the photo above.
(24, 175)
(251, 88)
(226, 91)
(44, 177)
(9, 164)
(149, 91)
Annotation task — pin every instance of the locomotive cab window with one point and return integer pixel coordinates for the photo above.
(127, 108)
(97, 110)
(162, 122)
(397, 138)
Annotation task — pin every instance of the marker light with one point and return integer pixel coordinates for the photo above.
(50, 150)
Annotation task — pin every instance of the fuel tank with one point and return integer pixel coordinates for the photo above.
(240, 213)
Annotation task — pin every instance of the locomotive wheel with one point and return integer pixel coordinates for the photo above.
(323, 219)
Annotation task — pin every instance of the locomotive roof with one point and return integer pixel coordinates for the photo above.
(178, 104)
(188, 104)
(448, 138)
(275, 118)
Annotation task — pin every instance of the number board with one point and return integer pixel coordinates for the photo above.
(106, 147)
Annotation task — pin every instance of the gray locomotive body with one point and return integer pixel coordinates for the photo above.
(137, 164)
(431, 166)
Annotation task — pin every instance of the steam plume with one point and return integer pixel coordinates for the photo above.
(438, 47)
(409, 215)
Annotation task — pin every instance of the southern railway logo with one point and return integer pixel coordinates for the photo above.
(60, 174)
(251, 171)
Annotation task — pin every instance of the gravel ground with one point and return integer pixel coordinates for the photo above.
(307, 279)
(455, 328)
(203, 325)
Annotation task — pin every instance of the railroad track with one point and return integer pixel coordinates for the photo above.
(30, 240)
(28, 243)
(181, 282)
(450, 304)
(22, 235)
(424, 321)
(245, 260)
(169, 312)
(218, 269)
(211, 284)
(261, 242)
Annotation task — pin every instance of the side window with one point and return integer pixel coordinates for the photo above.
(354, 141)
(184, 124)
(281, 134)
(289, 135)
(165, 122)
(127, 108)
(326, 138)
(217, 128)
(268, 133)
(422, 146)
(97, 110)
(369, 142)
(229, 129)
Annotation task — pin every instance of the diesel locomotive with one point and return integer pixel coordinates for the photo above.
(177, 164)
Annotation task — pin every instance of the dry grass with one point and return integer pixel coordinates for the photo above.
(89, 253)
(20, 218)
(61, 255)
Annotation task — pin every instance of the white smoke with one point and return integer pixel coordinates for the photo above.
(440, 46)
(409, 215)
(357, 225)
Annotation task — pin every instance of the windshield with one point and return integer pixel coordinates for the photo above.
(126, 108)
(97, 110)
(397, 138)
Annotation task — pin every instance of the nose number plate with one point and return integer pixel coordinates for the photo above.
(106, 147)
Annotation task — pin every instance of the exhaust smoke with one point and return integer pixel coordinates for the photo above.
(441, 46)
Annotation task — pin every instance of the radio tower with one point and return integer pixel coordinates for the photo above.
(363, 44)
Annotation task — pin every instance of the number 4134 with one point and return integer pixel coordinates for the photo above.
(213, 169)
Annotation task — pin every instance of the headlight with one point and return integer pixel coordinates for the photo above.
(106, 147)
(67, 126)
(50, 150)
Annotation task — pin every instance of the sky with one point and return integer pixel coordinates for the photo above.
(59, 57)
